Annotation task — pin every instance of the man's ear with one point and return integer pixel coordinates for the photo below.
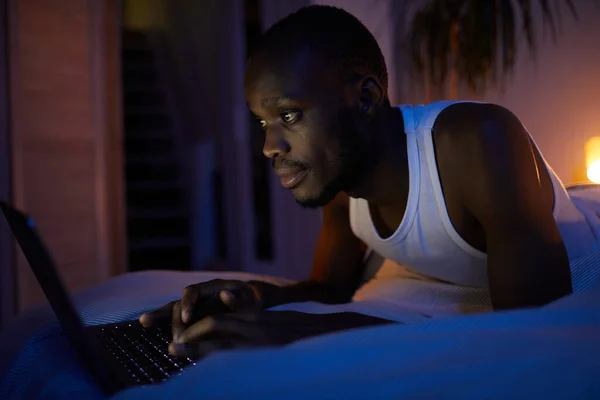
(370, 93)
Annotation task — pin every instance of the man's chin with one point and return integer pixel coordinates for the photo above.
(315, 201)
(312, 204)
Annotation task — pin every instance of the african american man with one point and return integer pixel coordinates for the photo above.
(455, 191)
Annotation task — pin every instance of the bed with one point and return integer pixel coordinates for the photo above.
(550, 353)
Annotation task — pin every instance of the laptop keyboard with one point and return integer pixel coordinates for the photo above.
(143, 352)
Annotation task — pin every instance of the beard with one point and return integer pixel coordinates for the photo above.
(354, 162)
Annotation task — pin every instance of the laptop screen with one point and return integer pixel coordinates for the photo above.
(46, 273)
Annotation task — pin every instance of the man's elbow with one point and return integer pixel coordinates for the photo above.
(531, 291)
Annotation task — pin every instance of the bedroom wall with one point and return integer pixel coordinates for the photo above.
(66, 154)
(558, 99)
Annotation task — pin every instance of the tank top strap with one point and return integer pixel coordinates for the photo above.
(408, 115)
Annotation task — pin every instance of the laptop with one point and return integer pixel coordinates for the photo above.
(118, 355)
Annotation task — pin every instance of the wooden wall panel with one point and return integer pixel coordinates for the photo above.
(60, 136)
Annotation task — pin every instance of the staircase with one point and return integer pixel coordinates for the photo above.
(158, 231)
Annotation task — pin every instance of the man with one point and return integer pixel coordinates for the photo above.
(454, 191)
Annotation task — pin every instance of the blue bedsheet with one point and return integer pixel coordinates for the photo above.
(549, 353)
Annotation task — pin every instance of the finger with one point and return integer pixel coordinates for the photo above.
(241, 297)
(218, 325)
(208, 292)
(228, 298)
(159, 315)
(205, 347)
(188, 300)
(177, 324)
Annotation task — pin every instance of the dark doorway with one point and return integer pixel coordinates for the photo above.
(7, 266)
(157, 195)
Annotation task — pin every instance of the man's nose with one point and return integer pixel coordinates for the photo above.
(275, 145)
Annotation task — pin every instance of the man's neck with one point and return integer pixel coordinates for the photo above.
(383, 184)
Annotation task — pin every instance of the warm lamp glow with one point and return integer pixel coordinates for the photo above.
(592, 159)
(593, 172)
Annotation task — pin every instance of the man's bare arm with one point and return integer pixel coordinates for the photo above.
(500, 186)
(336, 274)
(338, 262)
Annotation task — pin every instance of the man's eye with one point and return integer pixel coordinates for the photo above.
(290, 116)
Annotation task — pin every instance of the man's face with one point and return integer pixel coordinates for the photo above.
(310, 118)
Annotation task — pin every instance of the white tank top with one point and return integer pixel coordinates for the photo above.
(425, 241)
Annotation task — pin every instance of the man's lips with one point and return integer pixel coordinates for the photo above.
(291, 177)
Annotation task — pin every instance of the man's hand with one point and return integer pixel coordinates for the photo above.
(210, 298)
(257, 328)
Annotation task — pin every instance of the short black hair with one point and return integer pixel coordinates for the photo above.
(333, 33)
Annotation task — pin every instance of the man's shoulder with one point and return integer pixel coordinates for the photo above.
(470, 120)
(455, 124)
(454, 116)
